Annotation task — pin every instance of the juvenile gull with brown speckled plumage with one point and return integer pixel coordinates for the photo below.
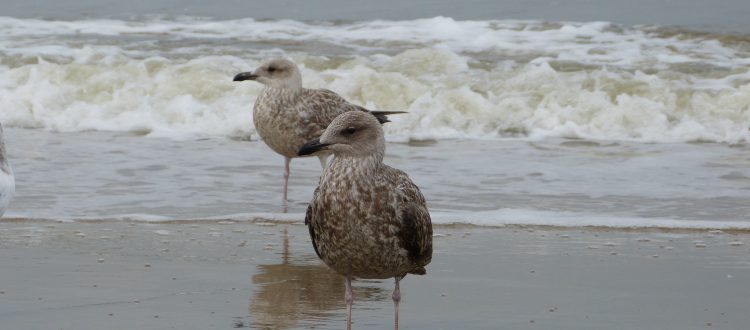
(286, 115)
(366, 219)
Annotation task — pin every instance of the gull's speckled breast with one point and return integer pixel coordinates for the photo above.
(370, 222)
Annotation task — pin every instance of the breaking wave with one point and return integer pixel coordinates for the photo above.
(457, 79)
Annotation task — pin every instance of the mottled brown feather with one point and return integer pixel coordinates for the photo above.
(414, 239)
(367, 219)
(308, 219)
(286, 119)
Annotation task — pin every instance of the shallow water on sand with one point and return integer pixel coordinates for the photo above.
(100, 175)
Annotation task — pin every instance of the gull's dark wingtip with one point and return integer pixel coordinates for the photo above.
(382, 116)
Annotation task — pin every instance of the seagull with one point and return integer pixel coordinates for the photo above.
(366, 219)
(7, 180)
(286, 115)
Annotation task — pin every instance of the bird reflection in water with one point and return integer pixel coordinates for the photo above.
(300, 292)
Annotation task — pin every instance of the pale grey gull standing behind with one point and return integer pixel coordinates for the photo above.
(366, 219)
(286, 115)
(7, 180)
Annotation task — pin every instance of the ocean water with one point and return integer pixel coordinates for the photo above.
(529, 122)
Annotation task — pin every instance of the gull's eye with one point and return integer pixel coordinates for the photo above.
(271, 69)
(349, 131)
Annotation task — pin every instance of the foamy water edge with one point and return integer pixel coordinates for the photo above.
(489, 219)
(457, 79)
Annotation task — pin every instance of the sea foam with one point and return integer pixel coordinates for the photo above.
(457, 79)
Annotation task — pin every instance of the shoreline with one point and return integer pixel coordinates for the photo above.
(456, 225)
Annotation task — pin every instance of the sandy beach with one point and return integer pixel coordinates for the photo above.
(223, 275)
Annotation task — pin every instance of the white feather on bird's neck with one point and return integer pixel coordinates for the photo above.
(4, 165)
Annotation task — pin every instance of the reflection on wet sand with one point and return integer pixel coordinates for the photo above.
(301, 288)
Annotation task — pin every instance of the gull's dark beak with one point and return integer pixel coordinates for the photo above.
(311, 147)
(245, 76)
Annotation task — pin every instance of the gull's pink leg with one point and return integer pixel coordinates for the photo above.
(287, 161)
(396, 298)
(349, 297)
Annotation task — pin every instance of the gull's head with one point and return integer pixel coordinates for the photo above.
(277, 72)
(352, 133)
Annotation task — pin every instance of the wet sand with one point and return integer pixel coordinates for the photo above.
(223, 275)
